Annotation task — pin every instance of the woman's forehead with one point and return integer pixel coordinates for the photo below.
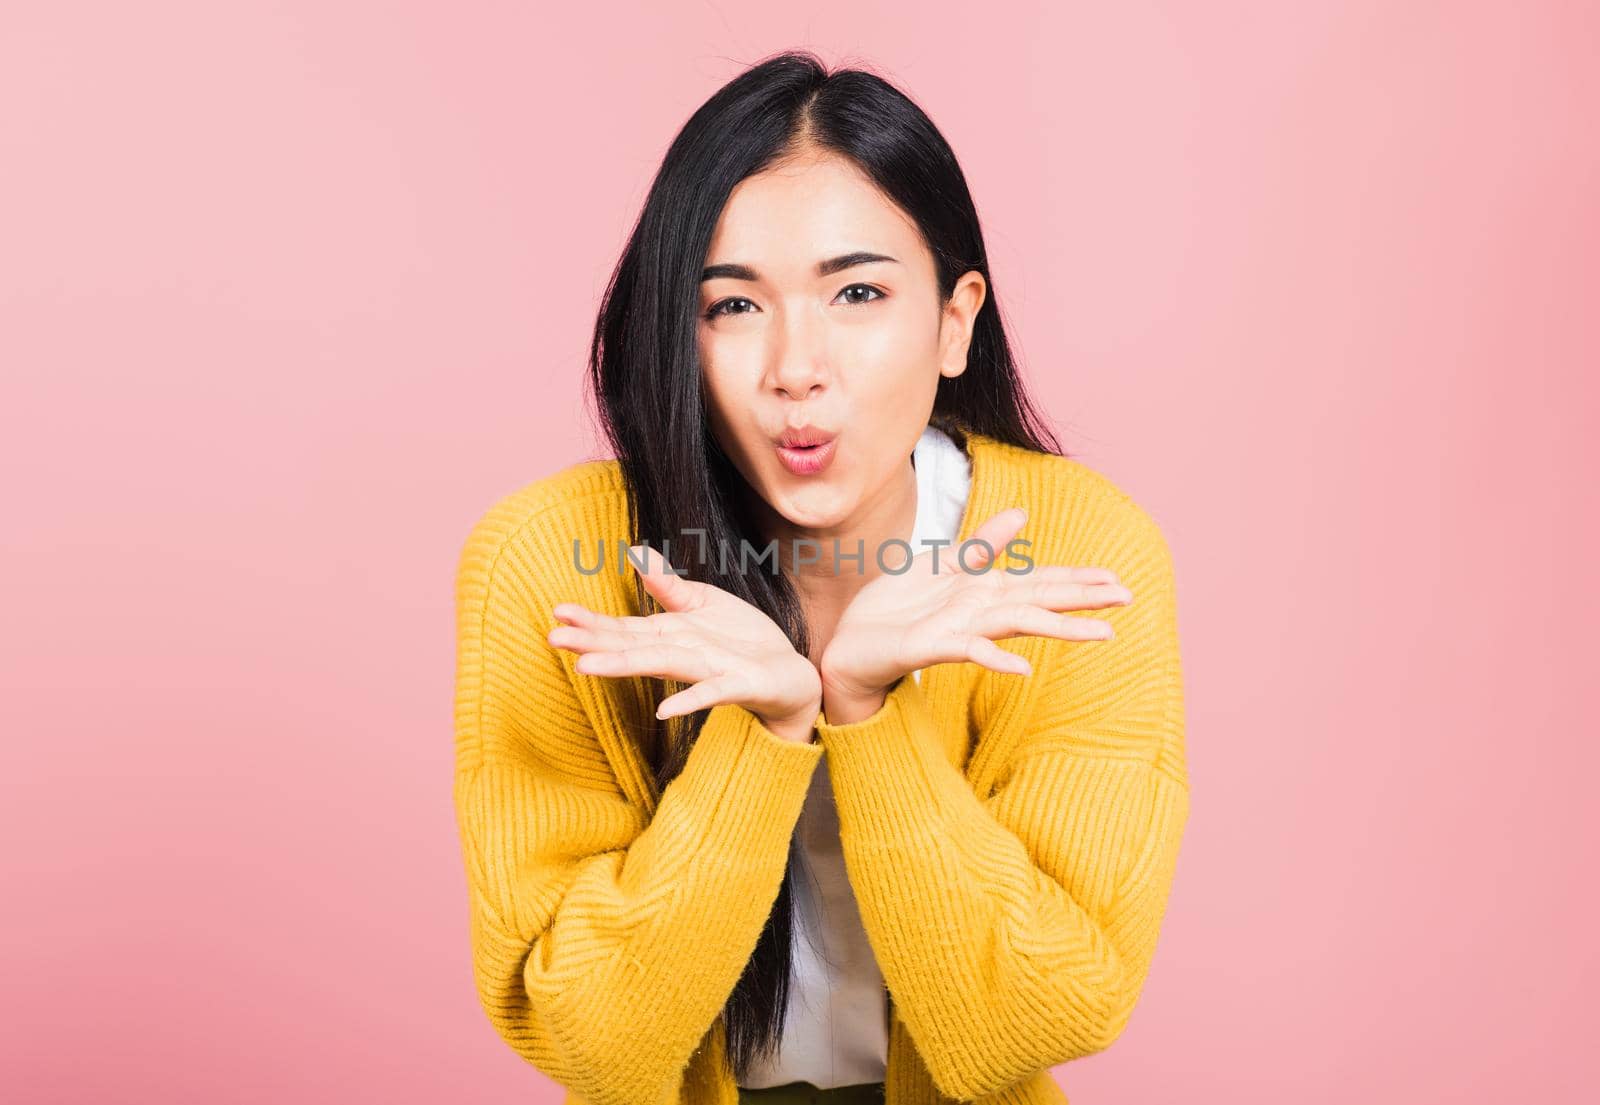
(784, 221)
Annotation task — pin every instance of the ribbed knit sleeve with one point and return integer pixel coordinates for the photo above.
(1015, 931)
(605, 940)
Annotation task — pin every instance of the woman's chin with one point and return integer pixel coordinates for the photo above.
(810, 507)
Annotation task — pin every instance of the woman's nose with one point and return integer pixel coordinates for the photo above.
(801, 360)
(800, 383)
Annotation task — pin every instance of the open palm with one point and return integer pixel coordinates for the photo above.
(729, 650)
(945, 609)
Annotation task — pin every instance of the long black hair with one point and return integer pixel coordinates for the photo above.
(644, 372)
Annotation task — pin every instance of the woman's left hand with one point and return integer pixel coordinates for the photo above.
(938, 611)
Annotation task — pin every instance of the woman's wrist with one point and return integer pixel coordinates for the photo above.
(839, 681)
(845, 700)
(843, 710)
(801, 727)
(794, 680)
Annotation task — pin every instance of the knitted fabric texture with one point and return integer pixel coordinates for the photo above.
(1011, 840)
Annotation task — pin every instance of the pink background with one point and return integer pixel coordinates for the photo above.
(290, 292)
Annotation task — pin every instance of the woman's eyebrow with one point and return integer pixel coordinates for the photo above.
(732, 271)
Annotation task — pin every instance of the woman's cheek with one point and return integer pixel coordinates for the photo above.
(893, 359)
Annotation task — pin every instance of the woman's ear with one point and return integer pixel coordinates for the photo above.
(956, 322)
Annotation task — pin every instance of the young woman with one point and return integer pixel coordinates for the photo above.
(753, 805)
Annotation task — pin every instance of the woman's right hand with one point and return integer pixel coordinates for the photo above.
(726, 648)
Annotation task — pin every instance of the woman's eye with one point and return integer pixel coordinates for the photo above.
(876, 294)
(722, 307)
(856, 295)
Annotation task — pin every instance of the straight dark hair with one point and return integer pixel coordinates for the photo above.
(644, 372)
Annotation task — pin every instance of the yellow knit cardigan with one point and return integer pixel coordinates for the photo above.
(1011, 840)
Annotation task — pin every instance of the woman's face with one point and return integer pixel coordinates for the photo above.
(820, 309)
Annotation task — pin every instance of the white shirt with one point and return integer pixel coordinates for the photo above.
(836, 1030)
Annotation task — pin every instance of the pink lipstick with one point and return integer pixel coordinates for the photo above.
(806, 450)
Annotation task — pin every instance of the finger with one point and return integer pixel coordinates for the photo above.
(572, 614)
(1021, 620)
(995, 533)
(580, 639)
(672, 591)
(663, 659)
(981, 650)
(1068, 596)
(1063, 573)
(704, 694)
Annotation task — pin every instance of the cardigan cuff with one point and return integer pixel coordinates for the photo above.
(893, 781)
(745, 785)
